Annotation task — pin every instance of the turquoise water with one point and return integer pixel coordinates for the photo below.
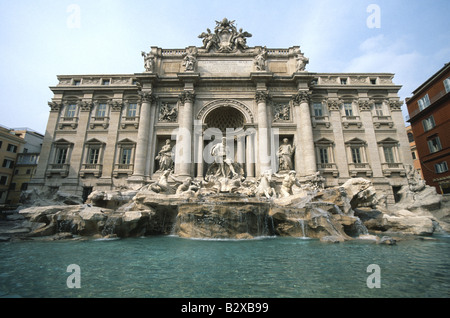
(169, 266)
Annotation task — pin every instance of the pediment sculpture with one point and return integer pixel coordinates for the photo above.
(226, 38)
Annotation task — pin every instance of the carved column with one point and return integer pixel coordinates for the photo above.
(263, 157)
(250, 156)
(305, 161)
(183, 155)
(140, 159)
(372, 147)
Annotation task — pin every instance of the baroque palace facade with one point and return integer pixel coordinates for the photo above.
(122, 131)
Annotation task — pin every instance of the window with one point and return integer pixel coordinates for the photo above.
(447, 84)
(424, 102)
(76, 82)
(3, 180)
(61, 155)
(373, 81)
(131, 111)
(93, 155)
(388, 154)
(105, 82)
(434, 144)
(441, 167)
(1, 142)
(11, 148)
(24, 186)
(428, 123)
(125, 157)
(343, 81)
(28, 171)
(356, 154)
(317, 107)
(348, 109)
(101, 110)
(410, 137)
(413, 154)
(379, 109)
(12, 186)
(71, 108)
(7, 163)
(323, 155)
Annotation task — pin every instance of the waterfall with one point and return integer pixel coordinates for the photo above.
(302, 225)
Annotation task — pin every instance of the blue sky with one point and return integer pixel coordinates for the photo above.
(40, 39)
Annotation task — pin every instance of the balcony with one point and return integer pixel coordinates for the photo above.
(91, 168)
(393, 167)
(328, 168)
(320, 121)
(379, 121)
(99, 121)
(68, 121)
(58, 168)
(129, 121)
(359, 168)
(348, 121)
(122, 168)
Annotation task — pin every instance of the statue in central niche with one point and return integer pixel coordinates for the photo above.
(221, 153)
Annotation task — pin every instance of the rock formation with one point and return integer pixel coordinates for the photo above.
(201, 210)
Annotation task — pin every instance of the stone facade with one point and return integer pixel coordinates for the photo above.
(114, 131)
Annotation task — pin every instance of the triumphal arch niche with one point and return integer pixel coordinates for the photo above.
(223, 108)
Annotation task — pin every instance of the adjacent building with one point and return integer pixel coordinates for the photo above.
(429, 112)
(110, 131)
(414, 154)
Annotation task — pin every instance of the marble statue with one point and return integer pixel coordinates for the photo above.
(165, 157)
(301, 62)
(190, 59)
(148, 61)
(168, 113)
(260, 60)
(264, 187)
(284, 154)
(221, 153)
(289, 180)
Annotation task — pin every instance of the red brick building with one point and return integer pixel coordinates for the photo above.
(429, 112)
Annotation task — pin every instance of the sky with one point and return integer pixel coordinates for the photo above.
(40, 39)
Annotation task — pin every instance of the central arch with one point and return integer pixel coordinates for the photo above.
(226, 103)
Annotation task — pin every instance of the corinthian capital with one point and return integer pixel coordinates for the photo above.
(146, 96)
(261, 96)
(395, 105)
(187, 96)
(54, 107)
(301, 97)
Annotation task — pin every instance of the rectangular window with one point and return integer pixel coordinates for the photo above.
(356, 154)
(428, 123)
(441, 167)
(125, 157)
(8, 164)
(388, 154)
(1, 142)
(24, 186)
(424, 102)
(105, 82)
(101, 110)
(323, 153)
(317, 107)
(76, 82)
(373, 81)
(93, 155)
(348, 109)
(414, 155)
(3, 180)
(379, 109)
(447, 84)
(11, 148)
(131, 112)
(61, 155)
(71, 110)
(434, 144)
(343, 81)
